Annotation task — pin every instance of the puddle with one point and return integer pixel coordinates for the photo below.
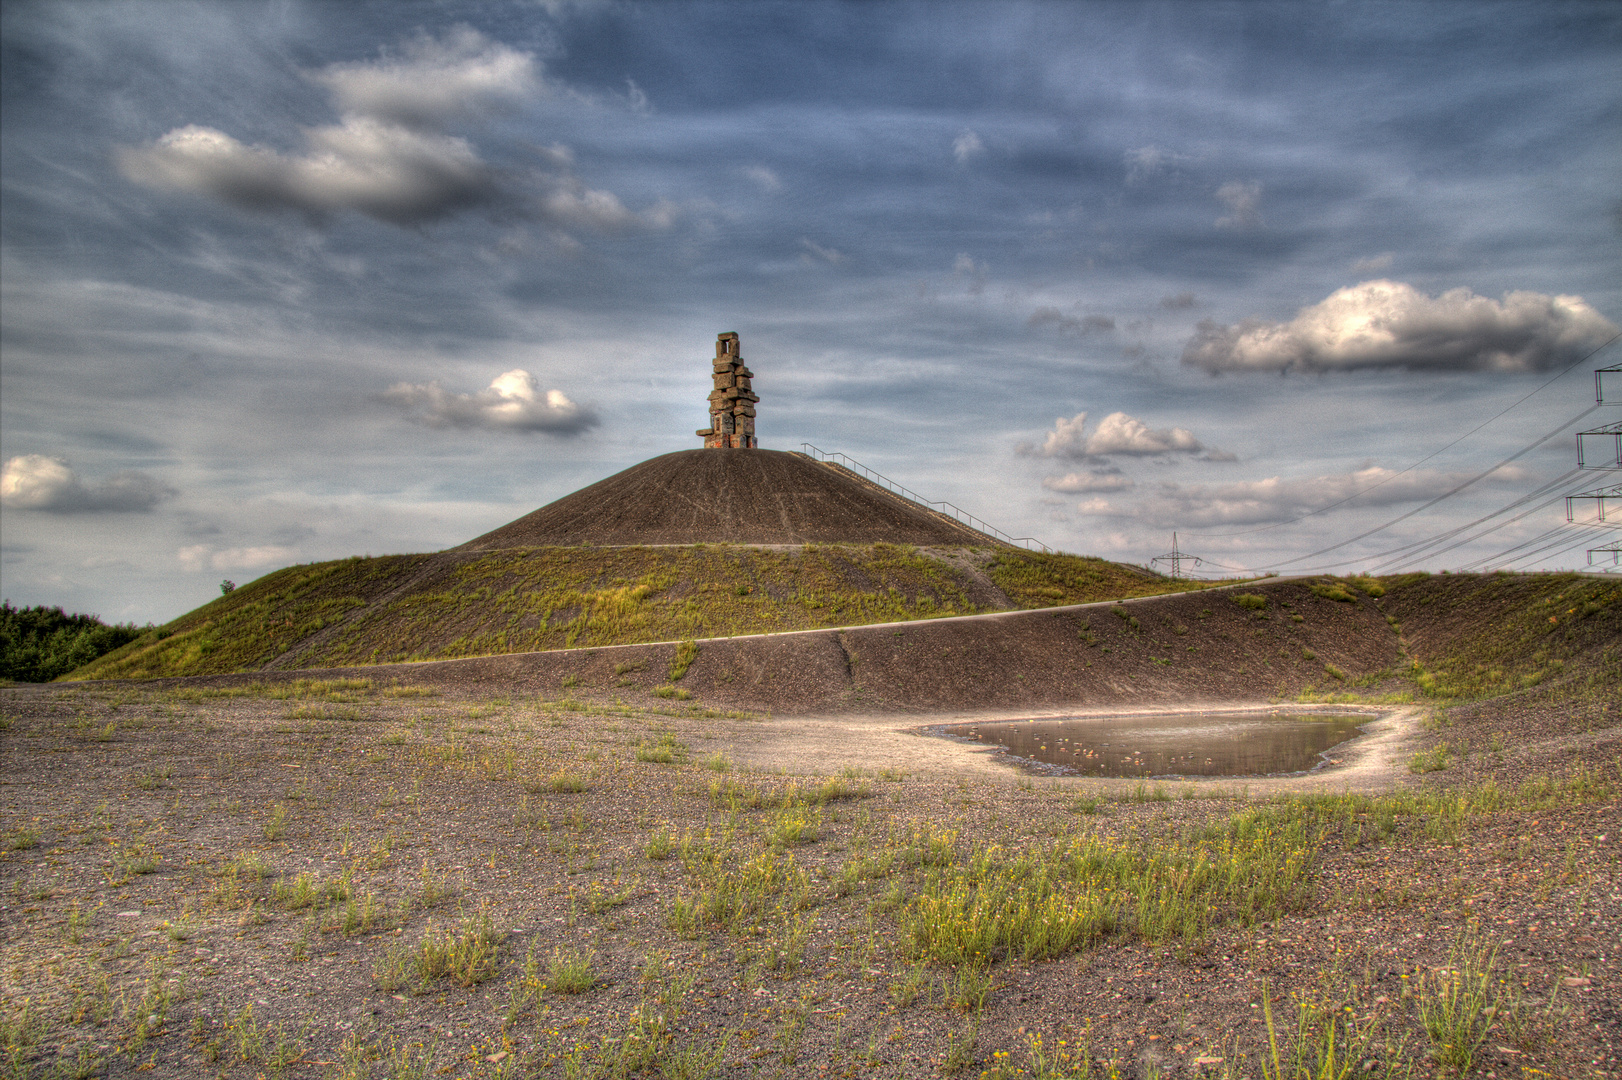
(1168, 744)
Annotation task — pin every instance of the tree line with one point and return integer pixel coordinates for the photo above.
(38, 644)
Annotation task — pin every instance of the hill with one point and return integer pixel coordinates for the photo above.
(478, 602)
(694, 544)
(732, 496)
(1447, 640)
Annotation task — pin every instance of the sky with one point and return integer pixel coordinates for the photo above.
(286, 282)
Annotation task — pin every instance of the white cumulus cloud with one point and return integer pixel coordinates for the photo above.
(36, 482)
(386, 171)
(766, 178)
(390, 156)
(1144, 162)
(815, 252)
(434, 81)
(1391, 324)
(572, 203)
(965, 266)
(1117, 433)
(514, 402)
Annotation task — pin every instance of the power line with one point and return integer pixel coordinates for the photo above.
(1414, 550)
(1556, 534)
(1403, 553)
(1562, 529)
(1564, 543)
(1420, 509)
(1342, 502)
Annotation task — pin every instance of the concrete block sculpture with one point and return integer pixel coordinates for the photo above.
(732, 402)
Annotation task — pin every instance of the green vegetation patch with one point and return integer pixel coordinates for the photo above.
(1036, 905)
(1038, 579)
(459, 604)
(251, 625)
(534, 599)
(1334, 590)
(1481, 636)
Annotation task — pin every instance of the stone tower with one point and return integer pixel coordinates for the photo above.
(732, 403)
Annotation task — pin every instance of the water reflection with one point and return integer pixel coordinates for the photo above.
(1180, 744)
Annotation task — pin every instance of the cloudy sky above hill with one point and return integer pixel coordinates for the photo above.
(284, 282)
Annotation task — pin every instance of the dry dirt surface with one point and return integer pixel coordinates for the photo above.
(731, 496)
(362, 876)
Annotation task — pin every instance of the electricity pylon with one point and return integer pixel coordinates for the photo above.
(1175, 559)
(1608, 437)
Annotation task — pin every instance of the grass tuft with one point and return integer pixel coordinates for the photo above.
(686, 653)
(1435, 759)
(1457, 1003)
(566, 783)
(569, 973)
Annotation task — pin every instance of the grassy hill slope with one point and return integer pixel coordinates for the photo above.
(471, 603)
(1475, 636)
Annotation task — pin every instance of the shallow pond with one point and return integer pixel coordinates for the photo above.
(1169, 744)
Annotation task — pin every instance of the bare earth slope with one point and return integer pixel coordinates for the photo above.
(736, 496)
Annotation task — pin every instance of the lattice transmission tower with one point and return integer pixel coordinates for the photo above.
(1176, 559)
(1601, 448)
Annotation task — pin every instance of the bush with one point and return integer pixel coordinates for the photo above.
(1368, 587)
(38, 644)
(1251, 601)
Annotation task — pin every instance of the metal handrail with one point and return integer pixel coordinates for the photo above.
(961, 515)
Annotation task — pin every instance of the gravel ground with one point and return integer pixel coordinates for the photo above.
(153, 922)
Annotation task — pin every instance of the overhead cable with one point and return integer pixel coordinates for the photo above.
(1421, 509)
(1342, 502)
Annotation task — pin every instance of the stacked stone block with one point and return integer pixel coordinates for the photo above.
(732, 402)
